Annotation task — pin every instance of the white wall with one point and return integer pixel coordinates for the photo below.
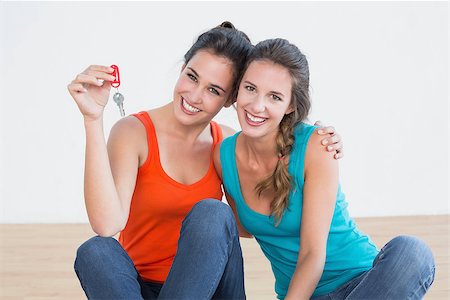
(379, 74)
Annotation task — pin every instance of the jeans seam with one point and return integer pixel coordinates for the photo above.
(79, 277)
(425, 282)
(380, 258)
(221, 265)
(365, 277)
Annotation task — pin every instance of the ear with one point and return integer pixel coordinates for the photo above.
(289, 110)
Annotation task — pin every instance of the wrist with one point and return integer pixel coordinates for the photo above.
(92, 121)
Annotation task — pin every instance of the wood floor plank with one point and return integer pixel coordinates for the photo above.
(36, 260)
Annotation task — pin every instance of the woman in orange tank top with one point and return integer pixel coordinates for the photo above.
(149, 180)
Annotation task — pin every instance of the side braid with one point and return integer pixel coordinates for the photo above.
(280, 181)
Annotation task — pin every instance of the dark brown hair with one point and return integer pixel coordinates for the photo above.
(226, 41)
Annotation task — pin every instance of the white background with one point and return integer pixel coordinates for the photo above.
(379, 74)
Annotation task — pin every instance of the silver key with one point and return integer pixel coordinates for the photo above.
(118, 98)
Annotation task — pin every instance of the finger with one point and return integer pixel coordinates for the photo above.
(321, 131)
(101, 75)
(334, 139)
(87, 79)
(339, 155)
(328, 129)
(76, 87)
(105, 69)
(318, 123)
(335, 147)
(326, 140)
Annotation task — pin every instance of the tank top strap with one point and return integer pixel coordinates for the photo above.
(152, 145)
(216, 132)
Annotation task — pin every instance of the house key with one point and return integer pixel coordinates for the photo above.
(118, 97)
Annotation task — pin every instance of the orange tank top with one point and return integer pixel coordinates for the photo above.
(159, 205)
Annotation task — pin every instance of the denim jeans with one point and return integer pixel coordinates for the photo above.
(404, 269)
(208, 263)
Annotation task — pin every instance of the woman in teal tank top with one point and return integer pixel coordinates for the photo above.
(284, 190)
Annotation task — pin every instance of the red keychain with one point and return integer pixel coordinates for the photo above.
(118, 97)
(116, 82)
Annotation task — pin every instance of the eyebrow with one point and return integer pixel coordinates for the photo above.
(273, 92)
(213, 85)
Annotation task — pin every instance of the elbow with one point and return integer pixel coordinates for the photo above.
(107, 225)
(104, 229)
(318, 256)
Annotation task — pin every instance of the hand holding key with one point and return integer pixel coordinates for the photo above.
(89, 91)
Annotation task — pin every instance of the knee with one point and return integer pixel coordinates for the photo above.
(415, 253)
(91, 252)
(212, 210)
(414, 247)
(211, 217)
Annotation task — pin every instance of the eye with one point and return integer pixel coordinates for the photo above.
(214, 91)
(276, 98)
(192, 77)
(249, 88)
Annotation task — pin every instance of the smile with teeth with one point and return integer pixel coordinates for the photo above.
(189, 107)
(254, 118)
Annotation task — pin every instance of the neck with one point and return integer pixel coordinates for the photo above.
(261, 150)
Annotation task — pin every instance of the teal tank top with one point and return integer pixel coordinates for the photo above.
(349, 252)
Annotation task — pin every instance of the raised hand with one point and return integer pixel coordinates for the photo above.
(90, 90)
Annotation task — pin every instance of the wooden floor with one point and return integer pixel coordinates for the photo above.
(36, 261)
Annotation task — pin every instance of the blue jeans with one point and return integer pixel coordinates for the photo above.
(404, 269)
(208, 263)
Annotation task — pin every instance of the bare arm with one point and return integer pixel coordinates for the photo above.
(110, 171)
(110, 175)
(319, 198)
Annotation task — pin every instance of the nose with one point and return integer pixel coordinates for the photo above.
(258, 105)
(196, 95)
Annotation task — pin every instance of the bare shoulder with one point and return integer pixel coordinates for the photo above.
(316, 138)
(129, 135)
(129, 127)
(216, 157)
(315, 150)
(227, 131)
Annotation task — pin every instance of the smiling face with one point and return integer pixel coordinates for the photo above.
(202, 89)
(264, 98)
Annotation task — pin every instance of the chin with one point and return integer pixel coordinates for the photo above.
(253, 132)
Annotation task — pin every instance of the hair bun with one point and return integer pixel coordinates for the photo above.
(227, 24)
